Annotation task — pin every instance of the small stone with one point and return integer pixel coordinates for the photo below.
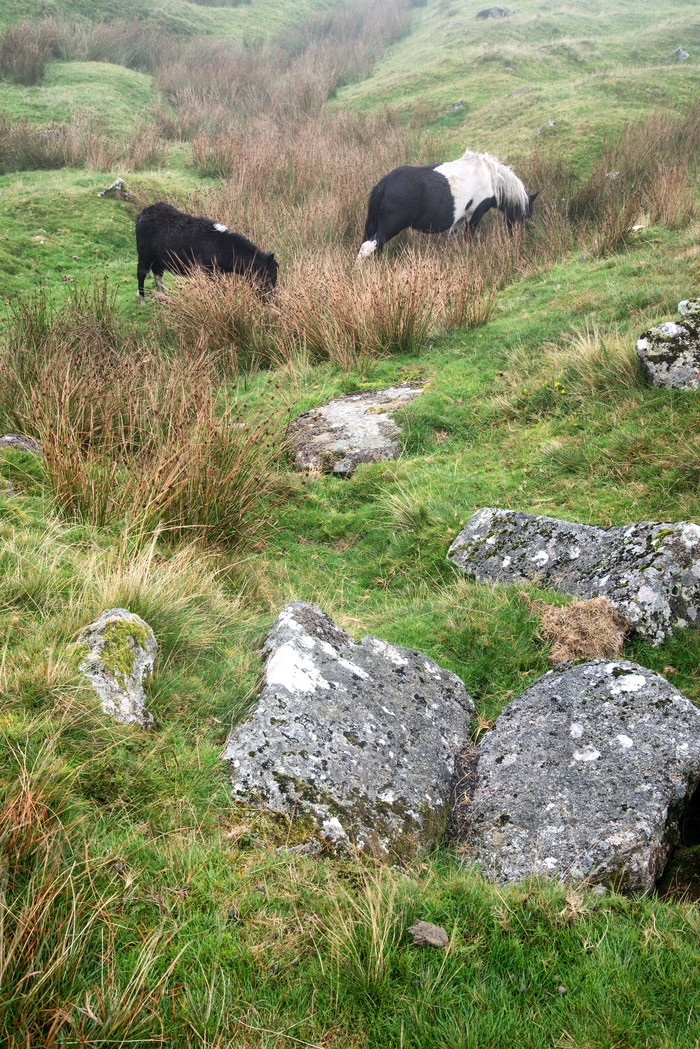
(425, 934)
(681, 55)
(22, 443)
(234, 915)
(116, 654)
(561, 989)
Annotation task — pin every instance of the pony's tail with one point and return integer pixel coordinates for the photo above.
(373, 208)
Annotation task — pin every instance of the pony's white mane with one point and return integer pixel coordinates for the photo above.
(509, 190)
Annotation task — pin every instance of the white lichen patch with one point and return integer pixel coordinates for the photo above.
(627, 683)
(587, 754)
(292, 670)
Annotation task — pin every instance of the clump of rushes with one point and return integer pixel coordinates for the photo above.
(157, 445)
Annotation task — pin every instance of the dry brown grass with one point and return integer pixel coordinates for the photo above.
(82, 143)
(582, 630)
(133, 433)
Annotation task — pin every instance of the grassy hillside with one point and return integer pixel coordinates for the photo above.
(139, 905)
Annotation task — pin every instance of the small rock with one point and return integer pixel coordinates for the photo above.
(425, 934)
(116, 654)
(543, 127)
(495, 12)
(681, 55)
(22, 443)
(561, 989)
(670, 352)
(117, 190)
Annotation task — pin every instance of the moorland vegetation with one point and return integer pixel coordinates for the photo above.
(138, 905)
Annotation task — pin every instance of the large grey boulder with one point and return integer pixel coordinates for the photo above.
(355, 429)
(116, 654)
(670, 352)
(355, 740)
(649, 572)
(586, 774)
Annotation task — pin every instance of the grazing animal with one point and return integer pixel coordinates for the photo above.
(168, 239)
(443, 197)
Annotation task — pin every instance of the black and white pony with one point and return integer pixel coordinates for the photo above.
(168, 239)
(442, 198)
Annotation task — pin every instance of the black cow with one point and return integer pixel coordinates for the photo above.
(168, 239)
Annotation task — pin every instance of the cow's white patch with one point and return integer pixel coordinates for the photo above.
(366, 249)
(221, 228)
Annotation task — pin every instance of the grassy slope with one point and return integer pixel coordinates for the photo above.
(590, 66)
(371, 553)
(245, 21)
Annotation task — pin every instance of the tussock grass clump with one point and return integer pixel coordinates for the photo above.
(331, 310)
(82, 143)
(587, 367)
(582, 630)
(23, 54)
(129, 432)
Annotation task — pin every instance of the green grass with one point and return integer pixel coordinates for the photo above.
(169, 914)
(588, 66)
(111, 94)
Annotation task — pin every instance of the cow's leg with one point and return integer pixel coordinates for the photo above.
(158, 278)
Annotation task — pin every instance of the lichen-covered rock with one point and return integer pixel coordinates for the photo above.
(22, 443)
(670, 352)
(649, 572)
(116, 654)
(355, 429)
(355, 739)
(495, 12)
(586, 774)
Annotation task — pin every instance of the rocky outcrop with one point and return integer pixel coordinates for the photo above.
(116, 654)
(357, 740)
(649, 572)
(495, 12)
(586, 775)
(355, 429)
(670, 352)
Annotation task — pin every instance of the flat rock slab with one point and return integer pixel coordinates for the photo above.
(116, 654)
(356, 738)
(670, 352)
(649, 572)
(586, 774)
(355, 429)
